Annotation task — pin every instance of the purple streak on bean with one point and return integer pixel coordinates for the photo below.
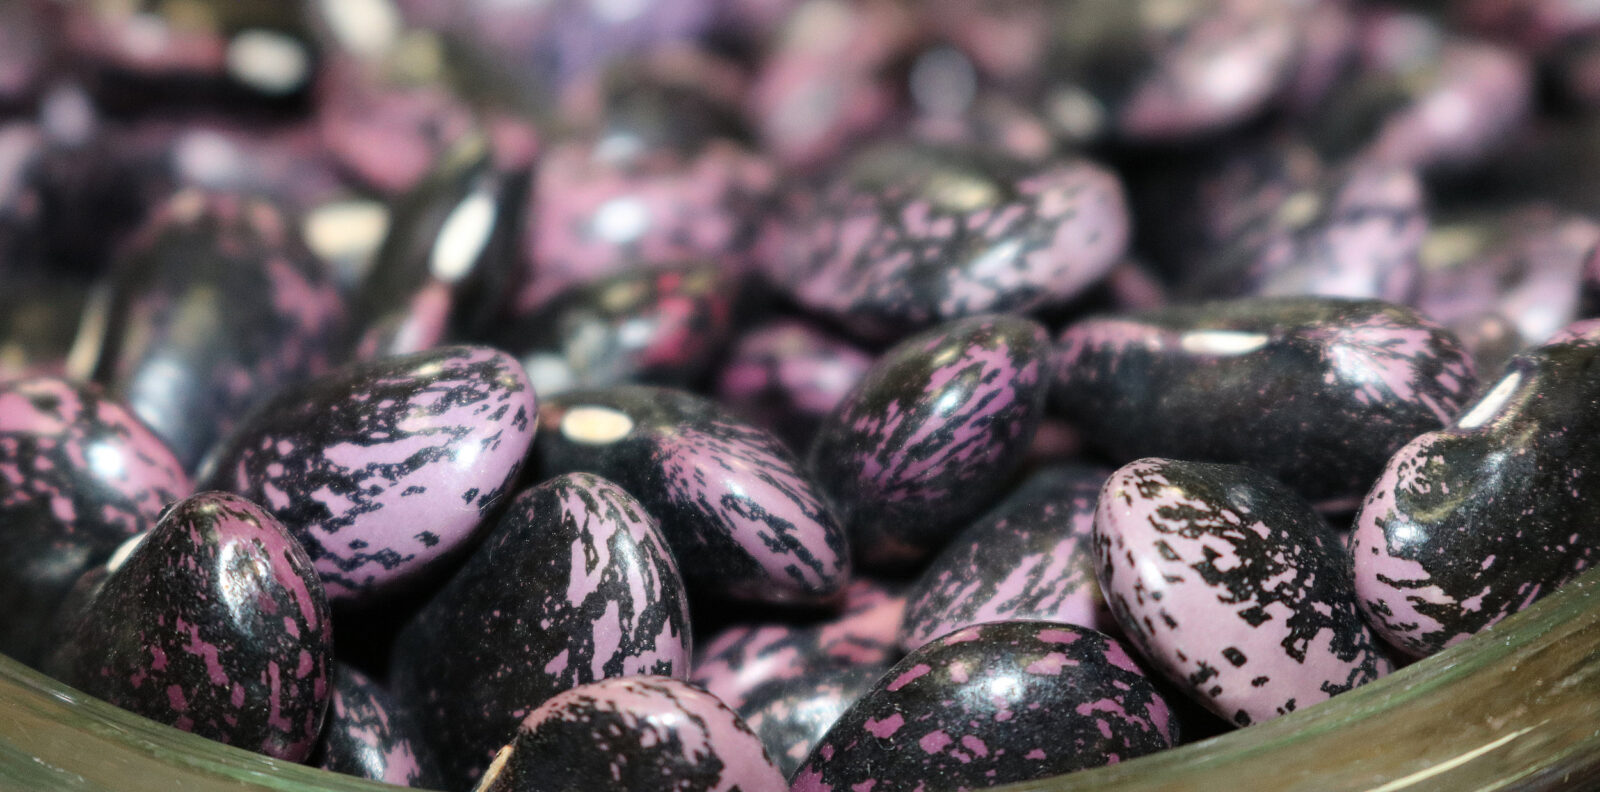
(573, 585)
(1029, 558)
(1232, 587)
(906, 237)
(742, 518)
(993, 704)
(385, 469)
(79, 474)
(787, 376)
(744, 657)
(216, 304)
(216, 624)
(364, 736)
(930, 435)
(636, 734)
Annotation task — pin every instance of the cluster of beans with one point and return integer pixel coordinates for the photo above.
(755, 395)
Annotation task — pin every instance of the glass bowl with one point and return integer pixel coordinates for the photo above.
(1516, 708)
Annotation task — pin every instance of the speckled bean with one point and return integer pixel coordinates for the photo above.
(906, 236)
(384, 470)
(574, 585)
(1315, 392)
(638, 734)
(1030, 558)
(742, 519)
(79, 474)
(927, 439)
(990, 705)
(1232, 587)
(1477, 520)
(215, 623)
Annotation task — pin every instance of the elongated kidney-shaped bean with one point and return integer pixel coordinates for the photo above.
(928, 438)
(1316, 392)
(744, 521)
(1232, 587)
(214, 623)
(574, 584)
(1474, 522)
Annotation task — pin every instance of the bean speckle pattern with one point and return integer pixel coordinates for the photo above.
(216, 624)
(1232, 587)
(736, 661)
(1474, 522)
(791, 715)
(638, 734)
(365, 737)
(1030, 558)
(1355, 234)
(908, 236)
(79, 474)
(217, 304)
(1329, 388)
(574, 585)
(787, 376)
(385, 470)
(929, 436)
(991, 705)
(743, 520)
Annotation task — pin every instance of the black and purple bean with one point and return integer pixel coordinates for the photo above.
(79, 475)
(450, 256)
(594, 215)
(743, 520)
(1328, 388)
(908, 236)
(1477, 520)
(647, 326)
(637, 734)
(993, 704)
(788, 375)
(575, 584)
(385, 470)
(1354, 232)
(365, 736)
(740, 659)
(790, 715)
(1524, 263)
(215, 623)
(929, 437)
(1030, 558)
(216, 304)
(1232, 587)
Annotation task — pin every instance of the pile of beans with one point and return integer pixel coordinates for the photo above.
(755, 395)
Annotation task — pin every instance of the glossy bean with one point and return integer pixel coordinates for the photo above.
(1477, 520)
(385, 470)
(574, 585)
(636, 735)
(743, 520)
(216, 624)
(991, 705)
(1232, 587)
(927, 439)
(1328, 388)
